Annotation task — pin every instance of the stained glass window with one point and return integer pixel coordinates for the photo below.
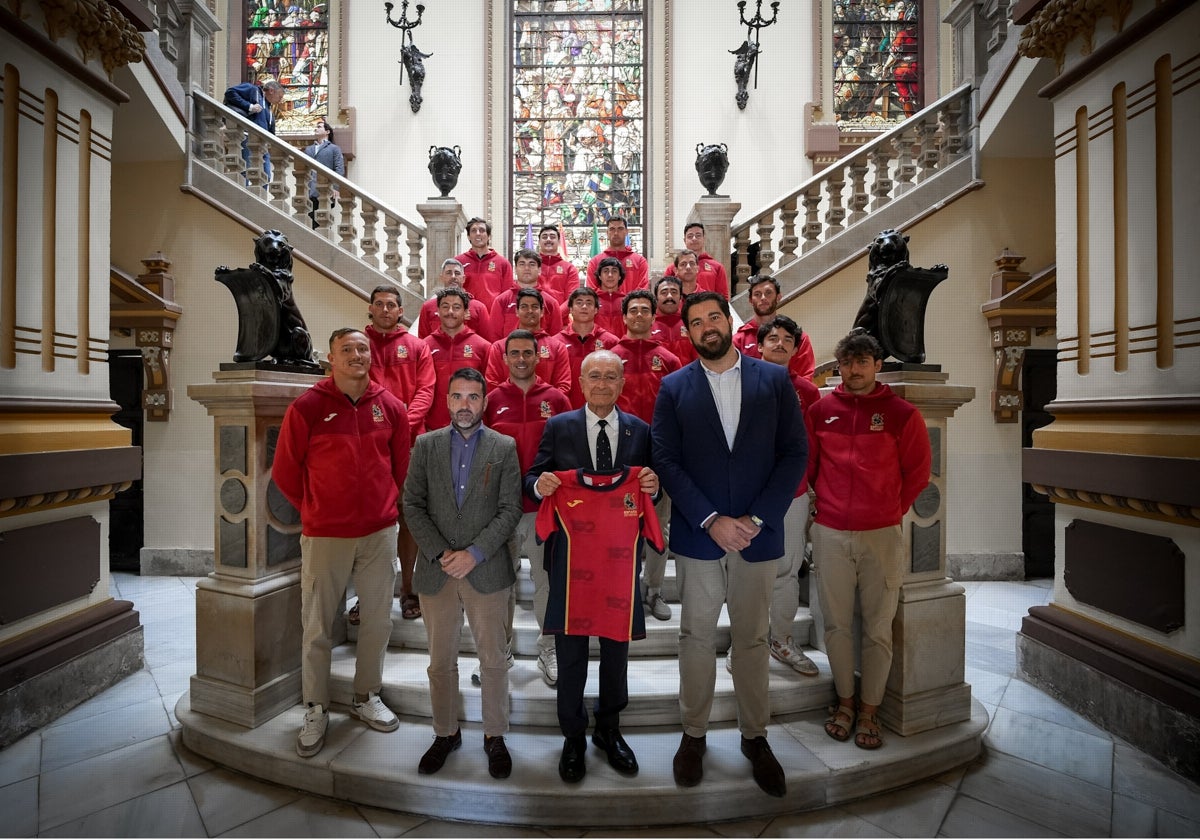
(876, 62)
(577, 119)
(288, 40)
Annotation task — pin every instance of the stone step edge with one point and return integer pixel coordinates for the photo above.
(379, 770)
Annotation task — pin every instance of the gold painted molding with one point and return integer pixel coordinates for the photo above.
(61, 498)
(1162, 511)
(1137, 433)
(22, 433)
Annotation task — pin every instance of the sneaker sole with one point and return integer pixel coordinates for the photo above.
(546, 678)
(803, 673)
(309, 752)
(378, 726)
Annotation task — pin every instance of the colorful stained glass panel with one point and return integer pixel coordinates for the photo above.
(876, 62)
(288, 40)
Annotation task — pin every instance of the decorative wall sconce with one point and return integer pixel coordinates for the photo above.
(410, 56)
(747, 53)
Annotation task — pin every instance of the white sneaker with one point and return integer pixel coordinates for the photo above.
(729, 662)
(788, 653)
(477, 680)
(375, 714)
(657, 606)
(312, 734)
(548, 665)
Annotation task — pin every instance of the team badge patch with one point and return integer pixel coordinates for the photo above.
(468, 351)
(544, 410)
(629, 262)
(656, 363)
(401, 352)
(492, 265)
(377, 413)
(630, 504)
(544, 352)
(876, 422)
(599, 344)
(683, 331)
(559, 269)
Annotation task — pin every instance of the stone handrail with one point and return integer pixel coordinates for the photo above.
(880, 171)
(359, 224)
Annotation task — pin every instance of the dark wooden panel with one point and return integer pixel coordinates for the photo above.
(48, 647)
(30, 473)
(1127, 573)
(43, 566)
(1157, 479)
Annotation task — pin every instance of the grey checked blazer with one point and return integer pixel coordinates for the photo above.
(489, 515)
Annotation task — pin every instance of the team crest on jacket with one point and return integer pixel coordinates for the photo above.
(401, 351)
(468, 352)
(877, 422)
(599, 344)
(629, 262)
(544, 352)
(656, 363)
(559, 269)
(630, 505)
(492, 265)
(544, 410)
(377, 412)
(683, 331)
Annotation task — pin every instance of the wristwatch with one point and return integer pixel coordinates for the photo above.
(758, 523)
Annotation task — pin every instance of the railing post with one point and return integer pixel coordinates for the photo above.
(345, 227)
(858, 189)
(812, 222)
(766, 253)
(300, 203)
(882, 183)
(788, 242)
(744, 269)
(444, 224)
(413, 272)
(391, 252)
(905, 168)
(928, 159)
(835, 212)
(368, 243)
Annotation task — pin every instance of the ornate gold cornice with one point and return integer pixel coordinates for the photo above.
(61, 498)
(1061, 21)
(101, 30)
(1165, 511)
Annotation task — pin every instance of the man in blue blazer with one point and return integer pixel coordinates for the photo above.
(569, 442)
(256, 104)
(730, 447)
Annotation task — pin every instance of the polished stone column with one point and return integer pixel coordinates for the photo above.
(248, 609)
(716, 213)
(445, 222)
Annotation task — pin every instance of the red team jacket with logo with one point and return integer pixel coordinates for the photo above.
(637, 270)
(578, 346)
(400, 362)
(342, 464)
(477, 319)
(671, 332)
(503, 314)
(595, 526)
(645, 363)
(558, 275)
(522, 416)
(710, 278)
(868, 458)
(449, 353)
(552, 365)
(804, 363)
(486, 276)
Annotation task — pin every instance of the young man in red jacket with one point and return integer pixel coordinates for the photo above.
(553, 367)
(710, 273)
(503, 314)
(669, 329)
(764, 300)
(558, 274)
(582, 335)
(488, 273)
(452, 345)
(635, 271)
(868, 460)
(400, 363)
(341, 461)
(452, 276)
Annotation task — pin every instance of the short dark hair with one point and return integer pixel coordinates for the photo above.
(527, 254)
(858, 345)
(533, 293)
(341, 331)
(667, 278)
(581, 292)
(691, 225)
(479, 220)
(520, 335)
(639, 294)
(454, 291)
(683, 252)
(610, 261)
(471, 375)
(700, 297)
(784, 323)
(759, 279)
(545, 228)
(620, 219)
(385, 289)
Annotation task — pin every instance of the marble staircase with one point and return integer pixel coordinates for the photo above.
(373, 768)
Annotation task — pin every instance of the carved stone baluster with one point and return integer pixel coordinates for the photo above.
(391, 253)
(300, 203)
(414, 272)
(368, 242)
(345, 225)
(881, 181)
(788, 242)
(905, 168)
(278, 183)
(766, 255)
(325, 212)
(858, 187)
(835, 211)
(231, 157)
(209, 141)
(952, 138)
(255, 177)
(927, 160)
(741, 243)
(812, 222)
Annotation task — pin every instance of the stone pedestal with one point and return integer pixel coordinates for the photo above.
(716, 213)
(444, 225)
(926, 686)
(248, 609)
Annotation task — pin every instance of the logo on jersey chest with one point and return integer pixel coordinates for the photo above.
(544, 352)
(401, 351)
(544, 410)
(656, 363)
(468, 351)
(877, 422)
(377, 413)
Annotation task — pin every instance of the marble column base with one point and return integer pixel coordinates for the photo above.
(247, 647)
(913, 713)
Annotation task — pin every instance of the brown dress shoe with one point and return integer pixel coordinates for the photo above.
(767, 772)
(435, 756)
(499, 761)
(688, 765)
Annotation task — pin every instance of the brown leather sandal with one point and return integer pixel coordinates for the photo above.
(840, 722)
(866, 733)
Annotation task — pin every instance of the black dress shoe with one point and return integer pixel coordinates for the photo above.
(620, 756)
(571, 766)
(688, 765)
(435, 756)
(499, 761)
(767, 772)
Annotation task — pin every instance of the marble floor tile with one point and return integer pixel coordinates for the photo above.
(1022, 697)
(135, 688)
(19, 806)
(827, 822)
(1001, 638)
(175, 678)
(740, 828)
(1036, 793)
(1010, 596)
(390, 823)
(996, 618)
(73, 791)
(192, 764)
(226, 799)
(309, 816)
(1137, 775)
(969, 817)
(1132, 817)
(988, 658)
(168, 812)
(915, 811)
(986, 686)
(99, 734)
(650, 831)
(169, 651)
(1053, 746)
(21, 760)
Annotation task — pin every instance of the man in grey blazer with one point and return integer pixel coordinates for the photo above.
(462, 502)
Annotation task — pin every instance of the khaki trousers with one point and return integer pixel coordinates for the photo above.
(327, 565)
(524, 544)
(869, 563)
(745, 588)
(785, 596)
(654, 565)
(443, 617)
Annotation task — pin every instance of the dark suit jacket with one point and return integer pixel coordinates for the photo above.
(700, 473)
(489, 514)
(564, 445)
(241, 97)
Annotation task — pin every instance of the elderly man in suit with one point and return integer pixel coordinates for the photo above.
(601, 437)
(462, 501)
(730, 445)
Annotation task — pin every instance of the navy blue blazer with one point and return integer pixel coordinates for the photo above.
(241, 97)
(701, 474)
(564, 445)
